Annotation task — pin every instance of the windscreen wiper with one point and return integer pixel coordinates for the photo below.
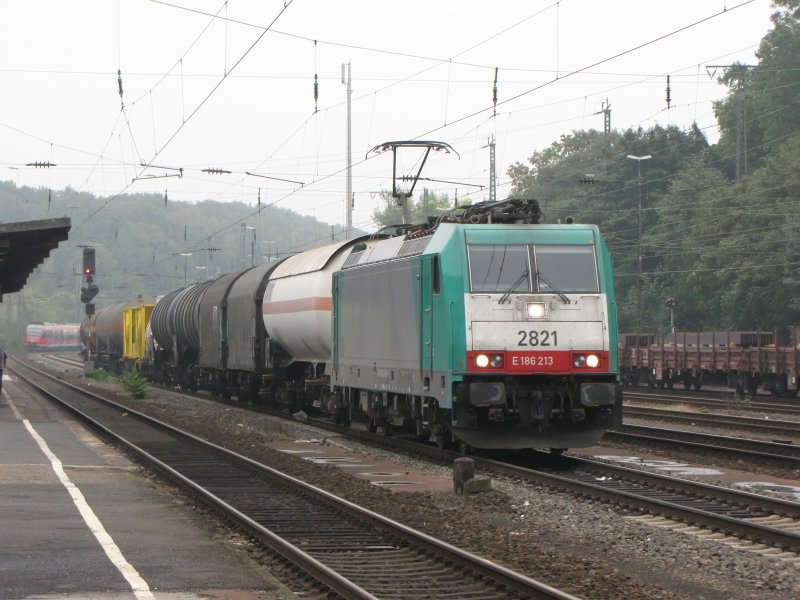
(521, 278)
(540, 277)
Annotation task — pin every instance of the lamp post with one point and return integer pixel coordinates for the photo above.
(203, 268)
(639, 160)
(672, 303)
(269, 254)
(185, 256)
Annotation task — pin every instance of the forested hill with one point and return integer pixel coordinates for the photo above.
(719, 225)
(144, 245)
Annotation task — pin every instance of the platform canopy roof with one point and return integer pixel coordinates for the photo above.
(24, 246)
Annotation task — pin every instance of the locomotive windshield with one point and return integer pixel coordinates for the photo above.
(558, 268)
(496, 268)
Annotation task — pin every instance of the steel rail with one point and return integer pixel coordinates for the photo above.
(750, 423)
(773, 452)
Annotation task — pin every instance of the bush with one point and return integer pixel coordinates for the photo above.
(134, 383)
(100, 374)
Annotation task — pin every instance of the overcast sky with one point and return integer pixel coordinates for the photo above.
(237, 92)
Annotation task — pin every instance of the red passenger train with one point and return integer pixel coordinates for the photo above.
(51, 336)
(745, 360)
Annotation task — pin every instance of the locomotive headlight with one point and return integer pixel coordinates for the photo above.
(592, 361)
(482, 361)
(536, 310)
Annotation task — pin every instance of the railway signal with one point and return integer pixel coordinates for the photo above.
(91, 289)
(88, 263)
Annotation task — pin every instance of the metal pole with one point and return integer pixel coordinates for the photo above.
(349, 192)
(639, 160)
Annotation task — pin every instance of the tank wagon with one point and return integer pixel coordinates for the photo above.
(482, 328)
(744, 360)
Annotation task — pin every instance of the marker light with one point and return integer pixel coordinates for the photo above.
(591, 361)
(496, 361)
(536, 310)
(482, 361)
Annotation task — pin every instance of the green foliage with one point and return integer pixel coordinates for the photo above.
(138, 242)
(100, 374)
(429, 205)
(771, 96)
(133, 381)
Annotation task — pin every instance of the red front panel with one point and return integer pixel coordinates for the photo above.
(533, 363)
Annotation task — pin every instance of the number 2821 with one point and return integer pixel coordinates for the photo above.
(537, 338)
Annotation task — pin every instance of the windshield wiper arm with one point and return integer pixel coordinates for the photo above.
(521, 278)
(540, 277)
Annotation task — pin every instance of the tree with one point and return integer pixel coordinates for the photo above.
(428, 205)
(771, 96)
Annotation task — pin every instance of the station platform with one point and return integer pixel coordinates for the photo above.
(81, 521)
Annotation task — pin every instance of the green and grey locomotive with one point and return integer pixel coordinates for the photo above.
(485, 333)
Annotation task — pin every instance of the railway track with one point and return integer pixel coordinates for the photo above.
(737, 514)
(784, 455)
(723, 402)
(786, 430)
(349, 550)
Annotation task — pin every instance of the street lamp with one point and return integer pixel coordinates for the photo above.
(269, 255)
(185, 256)
(639, 160)
(201, 269)
(672, 303)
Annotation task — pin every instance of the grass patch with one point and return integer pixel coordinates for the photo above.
(100, 375)
(134, 383)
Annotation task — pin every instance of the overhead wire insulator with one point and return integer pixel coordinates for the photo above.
(316, 83)
(494, 91)
(40, 164)
(215, 171)
(119, 84)
(669, 96)
(316, 94)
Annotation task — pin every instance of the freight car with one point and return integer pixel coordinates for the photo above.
(110, 332)
(40, 337)
(482, 328)
(742, 360)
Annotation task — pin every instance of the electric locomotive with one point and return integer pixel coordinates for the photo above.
(488, 330)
